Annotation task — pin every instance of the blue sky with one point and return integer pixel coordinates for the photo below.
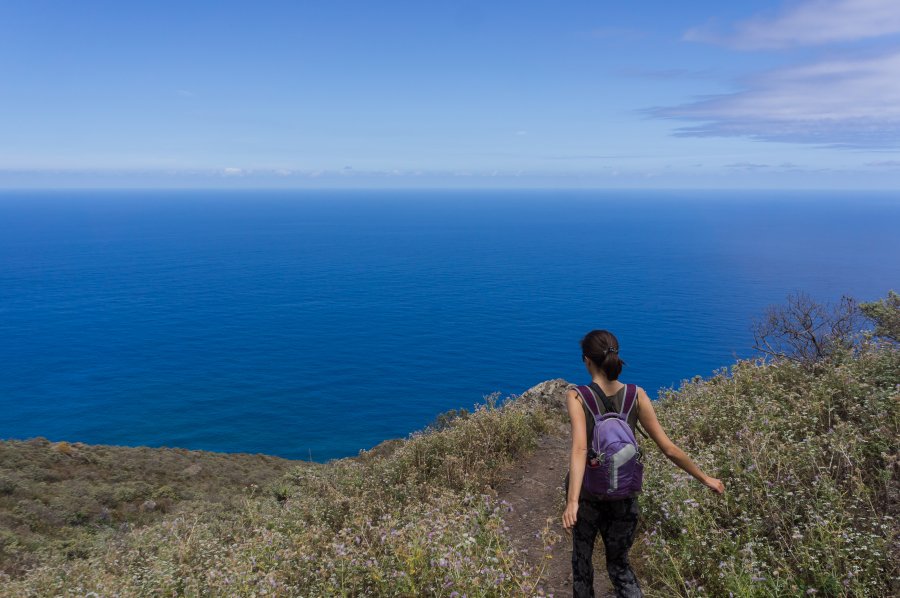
(771, 94)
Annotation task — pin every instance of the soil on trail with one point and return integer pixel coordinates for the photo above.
(534, 489)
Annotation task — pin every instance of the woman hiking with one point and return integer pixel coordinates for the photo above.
(614, 516)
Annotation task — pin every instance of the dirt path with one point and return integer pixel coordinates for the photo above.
(535, 490)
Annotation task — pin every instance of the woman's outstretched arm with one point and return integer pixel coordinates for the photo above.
(578, 458)
(647, 417)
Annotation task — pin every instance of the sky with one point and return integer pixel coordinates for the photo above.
(594, 94)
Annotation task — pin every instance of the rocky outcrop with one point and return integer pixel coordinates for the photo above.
(549, 392)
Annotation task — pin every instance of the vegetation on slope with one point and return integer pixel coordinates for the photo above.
(415, 519)
(809, 460)
(807, 448)
(60, 498)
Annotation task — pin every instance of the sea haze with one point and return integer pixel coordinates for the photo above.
(314, 324)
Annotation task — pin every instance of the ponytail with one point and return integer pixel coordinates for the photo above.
(602, 348)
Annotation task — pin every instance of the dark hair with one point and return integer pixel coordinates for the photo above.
(602, 348)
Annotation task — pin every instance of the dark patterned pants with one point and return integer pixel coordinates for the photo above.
(616, 520)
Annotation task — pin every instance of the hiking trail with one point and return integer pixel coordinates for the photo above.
(534, 489)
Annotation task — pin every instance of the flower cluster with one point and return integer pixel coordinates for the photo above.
(809, 461)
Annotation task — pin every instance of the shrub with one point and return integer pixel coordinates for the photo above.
(885, 315)
(444, 420)
(809, 461)
(7, 485)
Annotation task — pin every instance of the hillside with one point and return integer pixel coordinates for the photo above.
(60, 498)
(808, 456)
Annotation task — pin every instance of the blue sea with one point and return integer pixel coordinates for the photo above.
(313, 324)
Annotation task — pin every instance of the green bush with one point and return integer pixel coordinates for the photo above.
(7, 485)
(809, 461)
(885, 315)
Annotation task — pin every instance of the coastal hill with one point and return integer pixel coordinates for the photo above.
(61, 498)
(808, 451)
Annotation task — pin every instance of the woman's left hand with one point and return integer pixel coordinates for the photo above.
(714, 484)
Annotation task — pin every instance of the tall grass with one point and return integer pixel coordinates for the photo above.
(809, 459)
(417, 521)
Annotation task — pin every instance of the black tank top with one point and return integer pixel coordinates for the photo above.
(617, 400)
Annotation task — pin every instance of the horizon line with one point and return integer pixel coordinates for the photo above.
(744, 188)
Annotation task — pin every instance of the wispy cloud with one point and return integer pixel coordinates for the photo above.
(587, 157)
(841, 102)
(809, 22)
(679, 74)
(747, 166)
(752, 166)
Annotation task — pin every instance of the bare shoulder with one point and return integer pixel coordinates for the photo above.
(573, 400)
(642, 397)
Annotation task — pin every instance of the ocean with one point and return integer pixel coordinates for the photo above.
(314, 324)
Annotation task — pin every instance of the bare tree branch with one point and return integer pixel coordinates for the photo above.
(805, 331)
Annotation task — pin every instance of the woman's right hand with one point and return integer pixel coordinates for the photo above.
(714, 484)
(570, 515)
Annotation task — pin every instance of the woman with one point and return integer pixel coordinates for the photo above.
(615, 520)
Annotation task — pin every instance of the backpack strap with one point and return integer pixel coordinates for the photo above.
(626, 407)
(587, 396)
(637, 426)
(630, 400)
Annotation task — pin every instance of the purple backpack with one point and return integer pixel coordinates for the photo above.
(614, 469)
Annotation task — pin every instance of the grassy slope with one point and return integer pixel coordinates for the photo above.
(809, 460)
(366, 525)
(59, 498)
